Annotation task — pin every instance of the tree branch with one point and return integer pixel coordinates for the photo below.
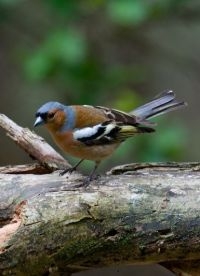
(149, 215)
(34, 145)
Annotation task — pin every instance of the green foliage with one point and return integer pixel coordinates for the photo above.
(60, 48)
(128, 12)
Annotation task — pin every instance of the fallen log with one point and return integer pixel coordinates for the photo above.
(148, 215)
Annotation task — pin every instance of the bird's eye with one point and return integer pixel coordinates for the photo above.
(51, 115)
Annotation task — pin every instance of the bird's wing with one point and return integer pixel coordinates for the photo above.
(118, 116)
(124, 117)
(117, 127)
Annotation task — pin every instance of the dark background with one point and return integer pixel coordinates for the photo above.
(117, 53)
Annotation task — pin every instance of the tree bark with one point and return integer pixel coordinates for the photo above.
(147, 213)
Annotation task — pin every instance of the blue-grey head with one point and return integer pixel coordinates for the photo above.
(55, 115)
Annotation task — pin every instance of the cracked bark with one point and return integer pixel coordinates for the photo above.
(147, 213)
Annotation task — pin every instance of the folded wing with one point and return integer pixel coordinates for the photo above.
(118, 125)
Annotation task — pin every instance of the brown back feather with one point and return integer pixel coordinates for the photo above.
(119, 116)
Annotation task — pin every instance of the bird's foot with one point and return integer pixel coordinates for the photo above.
(68, 170)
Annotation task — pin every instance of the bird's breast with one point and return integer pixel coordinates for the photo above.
(78, 149)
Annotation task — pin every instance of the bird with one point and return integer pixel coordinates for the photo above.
(95, 132)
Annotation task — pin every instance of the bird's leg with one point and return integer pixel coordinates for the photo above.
(91, 176)
(70, 170)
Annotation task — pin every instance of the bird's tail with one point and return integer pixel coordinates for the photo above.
(163, 103)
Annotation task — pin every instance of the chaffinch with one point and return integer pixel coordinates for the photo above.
(94, 132)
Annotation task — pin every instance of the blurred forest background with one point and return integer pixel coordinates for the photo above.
(117, 53)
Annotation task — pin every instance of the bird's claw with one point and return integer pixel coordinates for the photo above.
(68, 170)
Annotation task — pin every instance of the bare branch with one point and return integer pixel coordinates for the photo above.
(33, 144)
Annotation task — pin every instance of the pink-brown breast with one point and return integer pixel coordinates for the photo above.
(78, 149)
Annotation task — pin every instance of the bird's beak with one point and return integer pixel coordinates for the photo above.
(39, 121)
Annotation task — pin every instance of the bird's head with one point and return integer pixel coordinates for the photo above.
(55, 116)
